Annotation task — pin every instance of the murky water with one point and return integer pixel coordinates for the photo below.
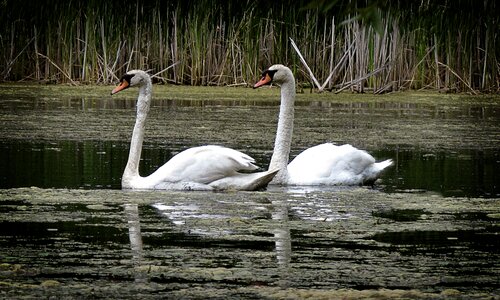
(428, 229)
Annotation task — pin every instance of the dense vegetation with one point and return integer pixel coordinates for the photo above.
(378, 45)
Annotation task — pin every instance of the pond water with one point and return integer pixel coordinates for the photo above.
(96, 165)
(451, 147)
(428, 229)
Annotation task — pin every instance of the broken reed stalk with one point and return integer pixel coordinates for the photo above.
(460, 78)
(59, 68)
(302, 59)
(358, 80)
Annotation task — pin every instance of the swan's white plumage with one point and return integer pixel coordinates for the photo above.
(329, 164)
(204, 164)
(199, 168)
(324, 164)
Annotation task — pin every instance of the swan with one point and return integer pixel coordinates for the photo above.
(200, 168)
(324, 164)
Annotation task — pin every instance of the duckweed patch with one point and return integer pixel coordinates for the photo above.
(401, 215)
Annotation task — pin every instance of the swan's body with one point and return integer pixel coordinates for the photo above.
(324, 164)
(199, 168)
(328, 164)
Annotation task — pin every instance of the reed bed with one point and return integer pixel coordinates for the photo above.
(445, 45)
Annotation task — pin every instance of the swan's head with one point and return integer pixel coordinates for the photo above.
(131, 78)
(278, 74)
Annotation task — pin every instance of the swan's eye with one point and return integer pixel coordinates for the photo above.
(127, 77)
(271, 73)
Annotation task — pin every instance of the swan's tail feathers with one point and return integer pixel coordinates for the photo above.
(262, 182)
(375, 171)
(383, 164)
(245, 181)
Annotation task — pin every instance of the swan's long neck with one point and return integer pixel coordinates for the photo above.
(143, 103)
(283, 141)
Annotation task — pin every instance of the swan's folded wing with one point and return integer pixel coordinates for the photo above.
(204, 164)
(329, 164)
(317, 161)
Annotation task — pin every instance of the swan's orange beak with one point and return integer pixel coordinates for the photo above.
(123, 85)
(266, 79)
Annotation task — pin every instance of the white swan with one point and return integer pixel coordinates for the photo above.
(324, 164)
(199, 168)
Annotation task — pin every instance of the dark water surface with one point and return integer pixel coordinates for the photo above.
(429, 229)
(96, 165)
(451, 147)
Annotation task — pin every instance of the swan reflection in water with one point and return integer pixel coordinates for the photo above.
(135, 237)
(188, 215)
(283, 242)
